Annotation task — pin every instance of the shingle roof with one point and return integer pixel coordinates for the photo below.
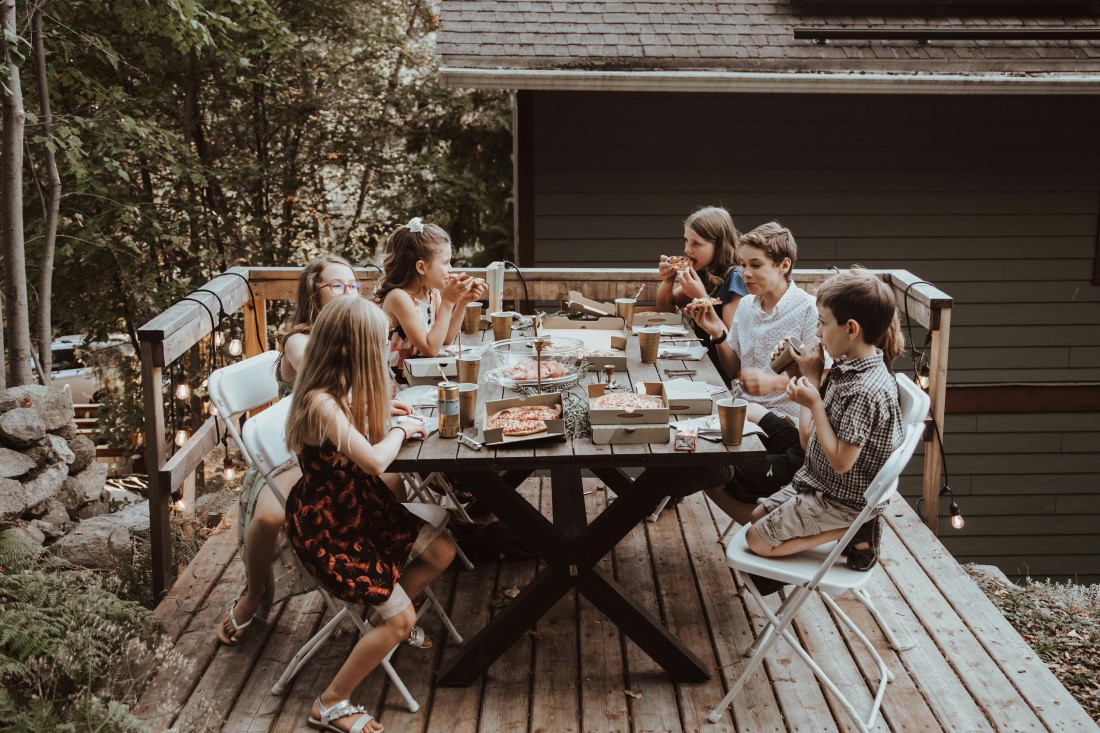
(663, 35)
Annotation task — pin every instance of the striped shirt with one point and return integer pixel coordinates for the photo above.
(861, 402)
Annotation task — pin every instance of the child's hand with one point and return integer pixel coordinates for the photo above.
(455, 288)
(803, 392)
(758, 382)
(811, 362)
(400, 408)
(414, 428)
(691, 285)
(707, 319)
(668, 274)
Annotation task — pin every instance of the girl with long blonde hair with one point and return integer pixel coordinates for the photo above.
(343, 522)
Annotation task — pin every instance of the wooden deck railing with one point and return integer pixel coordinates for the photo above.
(185, 324)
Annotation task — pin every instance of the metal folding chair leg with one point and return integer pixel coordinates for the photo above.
(726, 532)
(430, 597)
(657, 512)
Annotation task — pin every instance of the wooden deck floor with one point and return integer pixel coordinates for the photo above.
(967, 671)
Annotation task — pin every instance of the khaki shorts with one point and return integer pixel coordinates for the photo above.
(792, 515)
(399, 600)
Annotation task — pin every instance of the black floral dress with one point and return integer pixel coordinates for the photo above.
(349, 531)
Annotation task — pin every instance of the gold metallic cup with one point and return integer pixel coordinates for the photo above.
(731, 417)
(502, 325)
(649, 340)
(467, 403)
(468, 368)
(471, 320)
(784, 360)
(625, 308)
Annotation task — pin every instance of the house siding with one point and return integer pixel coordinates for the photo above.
(993, 199)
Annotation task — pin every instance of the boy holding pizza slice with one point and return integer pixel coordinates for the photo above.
(774, 310)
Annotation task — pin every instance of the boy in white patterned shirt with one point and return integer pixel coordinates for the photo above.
(849, 428)
(774, 310)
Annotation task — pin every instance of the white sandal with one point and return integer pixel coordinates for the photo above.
(339, 709)
(418, 639)
(237, 627)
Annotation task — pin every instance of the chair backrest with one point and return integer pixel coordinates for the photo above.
(246, 385)
(265, 439)
(914, 401)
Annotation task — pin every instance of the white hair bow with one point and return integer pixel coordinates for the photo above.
(415, 225)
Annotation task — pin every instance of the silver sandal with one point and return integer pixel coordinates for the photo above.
(340, 709)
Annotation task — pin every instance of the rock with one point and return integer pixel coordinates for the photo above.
(100, 542)
(13, 500)
(92, 509)
(61, 449)
(135, 518)
(84, 487)
(68, 432)
(120, 498)
(14, 463)
(21, 427)
(49, 530)
(33, 533)
(54, 512)
(53, 404)
(83, 452)
(46, 484)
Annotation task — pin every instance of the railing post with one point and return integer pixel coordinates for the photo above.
(937, 391)
(255, 327)
(160, 533)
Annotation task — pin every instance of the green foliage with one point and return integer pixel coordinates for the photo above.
(193, 135)
(63, 640)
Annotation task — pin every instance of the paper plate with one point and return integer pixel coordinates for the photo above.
(422, 396)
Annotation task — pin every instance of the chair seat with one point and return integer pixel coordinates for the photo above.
(795, 569)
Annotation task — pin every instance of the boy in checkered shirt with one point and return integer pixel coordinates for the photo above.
(849, 424)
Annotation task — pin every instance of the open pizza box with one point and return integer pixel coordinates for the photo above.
(555, 429)
(686, 397)
(601, 335)
(578, 302)
(626, 416)
(630, 434)
(425, 370)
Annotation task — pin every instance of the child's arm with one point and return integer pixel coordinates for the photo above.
(716, 328)
(665, 295)
(294, 348)
(374, 458)
(428, 342)
(840, 454)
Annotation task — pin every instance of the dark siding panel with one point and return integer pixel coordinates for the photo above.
(994, 199)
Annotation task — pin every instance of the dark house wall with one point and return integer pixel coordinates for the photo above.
(994, 199)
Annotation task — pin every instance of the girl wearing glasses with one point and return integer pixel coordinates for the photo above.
(424, 300)
(323, 280)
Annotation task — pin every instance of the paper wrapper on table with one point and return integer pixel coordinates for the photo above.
(600, 335)
(657, 315)
(688, 398)
(630, 434)
(579, 303)
(626, 418)
(425, 370)
(555, 429)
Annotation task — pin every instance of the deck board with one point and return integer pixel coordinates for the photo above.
(966, 669)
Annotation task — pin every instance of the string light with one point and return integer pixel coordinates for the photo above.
(235, 344)
(924, 377)
(183, 386)
(182, 436)
(229, 471)
(219, 339)
(957, 520)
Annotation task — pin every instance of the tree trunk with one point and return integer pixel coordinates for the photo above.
(18, 338)
(53, 203)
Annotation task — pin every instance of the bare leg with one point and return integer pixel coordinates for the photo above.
(757, 544)
(738, 510)
(365, 656)
(260, 546)
(423, 570)
(396, 486)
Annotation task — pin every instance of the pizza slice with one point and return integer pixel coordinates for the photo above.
(679, 262)
(705, 302)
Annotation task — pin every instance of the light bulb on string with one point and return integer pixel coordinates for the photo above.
(219, 339)
(957, 520)
(924, 377)
(236, 346)
(229, 471)
(183, 386)
(181, 437)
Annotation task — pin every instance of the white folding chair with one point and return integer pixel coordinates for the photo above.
(265, 440)
(418, 487)
(823, 571)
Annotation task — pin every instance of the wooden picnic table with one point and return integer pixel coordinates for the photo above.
(571, 546)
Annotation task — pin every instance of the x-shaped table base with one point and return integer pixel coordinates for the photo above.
(571, 548)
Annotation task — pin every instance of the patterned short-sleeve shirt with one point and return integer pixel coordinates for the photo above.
(755, 334)
(861, 402)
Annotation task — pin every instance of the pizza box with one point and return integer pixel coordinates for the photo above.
(425, 370)
(651, 415)
(555, 429)
(686, 397)
(626, 434)
(578, 302)
(657, 315)
(602, 334)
